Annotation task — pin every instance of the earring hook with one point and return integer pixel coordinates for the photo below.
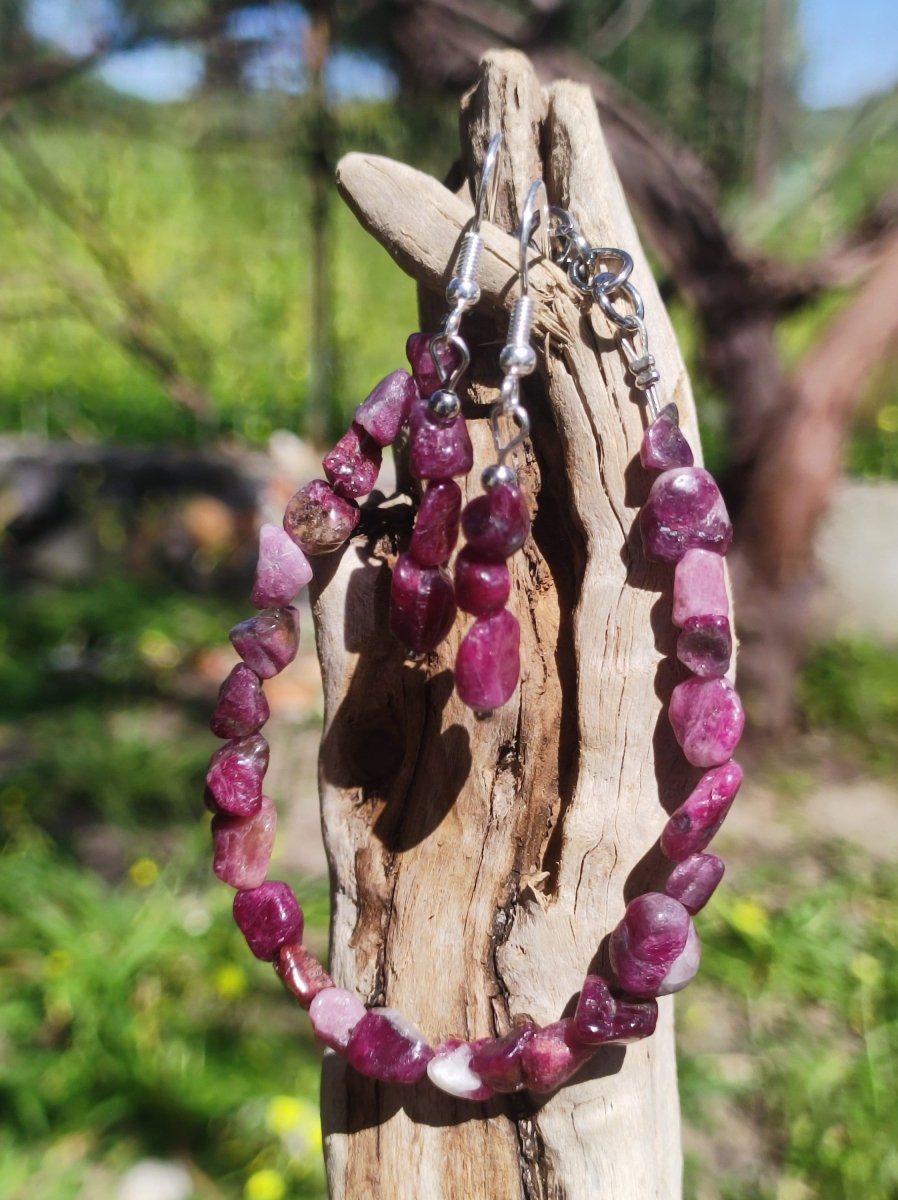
(487, 185)
(530, 214)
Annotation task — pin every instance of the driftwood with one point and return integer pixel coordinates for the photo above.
(477, 866)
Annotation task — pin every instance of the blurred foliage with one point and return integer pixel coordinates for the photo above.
(850, 687)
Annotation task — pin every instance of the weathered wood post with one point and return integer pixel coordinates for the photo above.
(477, 866)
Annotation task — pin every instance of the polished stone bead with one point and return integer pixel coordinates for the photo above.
(282, 570)
(663, 444)
(301, 973)
(705, 645)
(489, 662)
(450, 1071)
(594, 1015)
(436, 525)
(685, 966)
(385, 1045)
(242, 708)
(234, 778)
(694, 881)
(482, 585)
(633, 1021)
(422, 605)
(319, 520)
(334, 1013)
(438, 449)
(707, 719)
(386, 409)
(647, 942)
(353, 465)
(699, 588)
(496, 524)
(497, 1061)
(684, 511)
(417, 350)
(268, 916)
(268, 642)
(242, 846)
(692, 826)
(553, 1055)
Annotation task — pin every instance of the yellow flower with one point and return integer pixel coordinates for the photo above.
(229, 981)
(57, 963)
(283, 1114)
(265, 1185)
(750, 919)
(887, 418)
(866, 969)
(144, 873)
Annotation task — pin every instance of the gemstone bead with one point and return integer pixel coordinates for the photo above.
(553, 1055)
(497, 1061)
(242, 708)
(684, 510)
(488, 662)
(436, 525)
(482, 585)
(450, 1071)
(496, 524)
(422, 605)
(242, 846)
(353, 465)
(692, 826)
(268, 642)
(634, 1020)
(647, 942)
(268, 916)
(663, 445)
(705, 646)
(438, 449)
(319, 520)
(282, 570)
(334, 1013)
(602, 1019)
(685, 966)
(417, 350)
(707, 718)
(699, 588)
(385, 1045)
(301, 972)
(234, 778)
(386, 409)
(694, 881)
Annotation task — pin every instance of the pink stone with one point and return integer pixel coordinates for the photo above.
(268, 916)
(685, 966)
(488, 662)
(282, 571)
(694, 881)
(497, 1061)
(301, 972)
(268, 642)
(482, 585)
(602, 1019)
(385, 1045)
(242, 708)
(707, 719)
(684, 511)
(699, 588)
(663, 445)
(438, 449)
(436, 525)
(705, 646)
(386, 409)
(496, 524)
(553, 1055)
(234, 778)
(634, 1020)
(353, 465)
(318, 520)
(647, 942)
(417, 350)
(335, 1013)
(450, 1071)
(692, 826)
(422, 605)
(242, 846)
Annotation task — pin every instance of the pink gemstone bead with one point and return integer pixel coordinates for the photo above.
(450, 1071)
(269, 916)
(497, 1061)
(438, 449)
(482, 585)
(594, 1016)
(553, 1055)
(386, 409)
(422, 605)
(692, 826)
(268, 642)
(489, 662)
(335, 1013)
(694, 881)
(647, 942)
(663, 445)
(496, 524)
(301, 973)
(707, 719)
(436, 525)
(705, 646)
(353, 465)
(234, 778)
(699, 588)
(242, 846)
(684, 510)
(417, 350)
(319, 520)
(282, 571)
(634, 1020)
(685, 966)
(242, 708)
(385, 1045)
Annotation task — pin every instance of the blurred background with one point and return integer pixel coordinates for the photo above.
(187, 313)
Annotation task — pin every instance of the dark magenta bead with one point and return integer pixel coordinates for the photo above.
(488, 663)
(417, 350)
(663, 445)
(268, 916)
(684, 511)
(438, 449)
(692, 826)
(386, 1046)
(353, 465)
(634, 1020)
(553, 1055)
(422, 605)
(594, 1016)
(707, 718)
(436, 525)
(301, 973)
(268, 642)
(694, 881)
(647, 942)
(496, 524)
(705, 645)
(482, 585)
(497, 1061)
(386, 409)
(242, 708)
(319, 520)
(234, 778)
